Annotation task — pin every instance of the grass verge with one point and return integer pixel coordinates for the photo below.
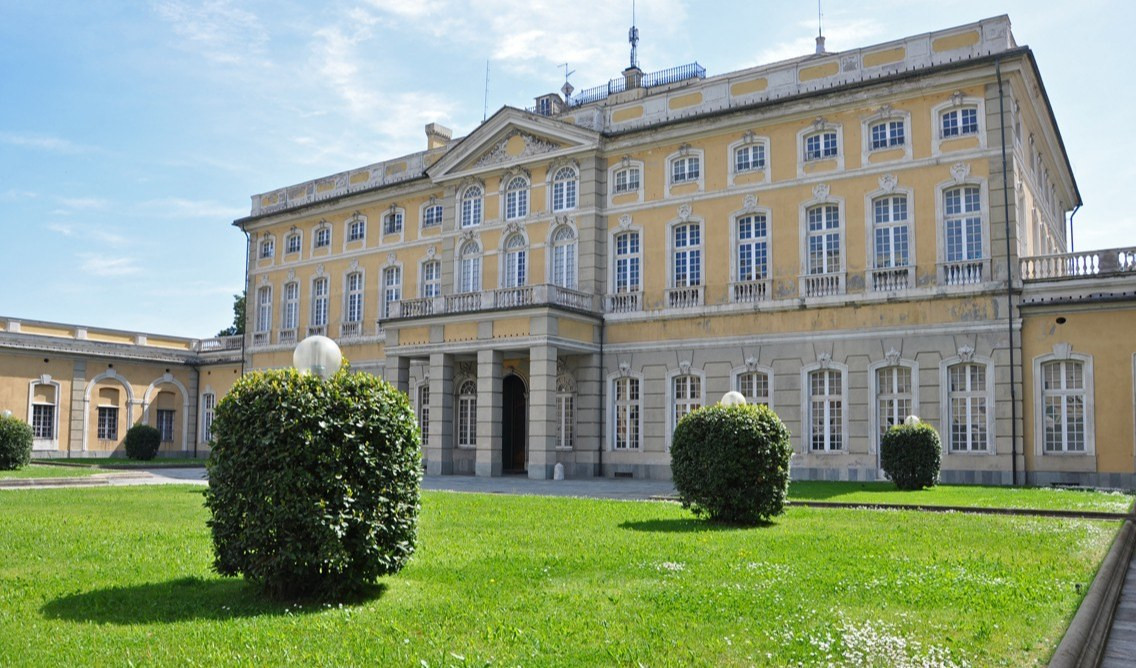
(42, 471)
(510, 580)
(124, 463)
(1040, 498)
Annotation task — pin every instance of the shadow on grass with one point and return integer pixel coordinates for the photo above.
(689, 525)
(184, 599)
(820, 490)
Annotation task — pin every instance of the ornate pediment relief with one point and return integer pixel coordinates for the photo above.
(516, 145)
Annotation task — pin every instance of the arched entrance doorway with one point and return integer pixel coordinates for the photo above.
(513, 417)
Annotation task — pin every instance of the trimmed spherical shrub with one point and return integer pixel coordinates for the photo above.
(313, 484)
(910, 455)
(731, 463)
(142, 442)
(15, 443)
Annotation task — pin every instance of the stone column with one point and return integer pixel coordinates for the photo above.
(77, 429)
(589, 415)
(439, 446)
(489, 412)
(542, 412)
(396, 371)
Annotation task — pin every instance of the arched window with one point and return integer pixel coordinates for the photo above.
(894, 397)
(323, 236)
(471, 206)
(564, 189)
(392, 289)
(687, 258)
(292, 243)
(753, 247)
(517, 198)
(968, 406)
(821, 145)
(627, 262)
(824, 242)
(467, 414)
(470, 279)
(44, 398)
(564, 257)
(891, 232)
(267, 248)
(962, 225)
(687, 393)
(754, 385)
(1063, 405)
(516, 261)
(826, 410)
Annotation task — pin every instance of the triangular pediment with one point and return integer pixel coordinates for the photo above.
(510, 137)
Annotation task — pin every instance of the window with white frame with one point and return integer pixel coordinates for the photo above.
(291, 310)
(356, 229)
(292, 243)
(467, 414)
(963, 223)
(166, 424)
(1063, 405)
(824, 239)
(432, 215)
(564, 184)
(392, 223)
(424, 410)
(754, 386)
(517, 198)
(826, 410)
(685, 170)
(208, 406)
(392, 289)
(894, 397)
(752, 247)
(890, 231)
(354, 303)
(264, 308)
(323, 237)
(687, 393)
(967, 397)
(748, 158)
(564, 257)
(319, 301)
(565, 412)
(887, 134)
(516, 261)
(821, 145)
(267, 248)
(687, 255)
(471, 206)
(627, 262)
(43, 411)
(625, 412)
(108, 423)
(431, 278)
(958, 122)
(470, 268)
(626, 180)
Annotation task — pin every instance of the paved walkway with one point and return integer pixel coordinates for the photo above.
(1120, 649)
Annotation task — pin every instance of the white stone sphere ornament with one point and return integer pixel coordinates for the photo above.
(7, 414)
(732, 398)
(911, 420)
(317, 355)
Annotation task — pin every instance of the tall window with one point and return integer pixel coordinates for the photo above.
(166, 424)
(470, 279)
(208, 405)
(354, 310)
(963, 224)
(292, 243)
(887, 134)
(626, 413)
(432, 215)
(626, 180)
(627, 262)
(687, 255)
(687, 396)
(392, 223)
(424, 410)
(108, 423)
(894, 397)
(1063, 402)
(471, 206)
(264, 308)
(267, 248)
(967, 395)
(564, 189)
(749, 158)
(824, 239)
(323, 237)
(754, 385)
(291, 306)
(891, 231)
(356, 229)
(959, 122)
(826, 410)
(43, 411)
(431, 278)
(564, 257)
(684, 170)
(319, 301)
(753, 248)
(821, 145)
(565, 412)
(517, 198)
(516, 261)
(392, 288)
(467, 414)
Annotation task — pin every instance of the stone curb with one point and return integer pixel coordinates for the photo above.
(1084, 641)
(75, 481)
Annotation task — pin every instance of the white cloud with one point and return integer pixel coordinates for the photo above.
(178, 207)
(43, 143)
(216, 29)
(88, 232)
(104, 266)
(84, 203)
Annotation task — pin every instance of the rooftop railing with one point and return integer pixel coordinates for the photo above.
(1084, 264)
(652, 80)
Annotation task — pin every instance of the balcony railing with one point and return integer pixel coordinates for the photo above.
(463, 303)
(965, 272)
(748, 292)
(513, 297)
(350, 329)
(317, 330)
(684, 297)
(889, 279)
(822, 285)
(416, 308)
(286, 336)
(1107, 262)
(219, 343)
(504, 298)
(624, 302)
(261, 338)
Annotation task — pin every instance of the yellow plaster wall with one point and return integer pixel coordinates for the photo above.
(952, 42)
(684, 101)
(627, 114)
(460, 331)
(749, 86)
(507, 327)
(576, 330)
(877, 58)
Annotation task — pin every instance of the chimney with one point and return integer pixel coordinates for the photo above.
(820, 43)
(437, 136)
(632, 77)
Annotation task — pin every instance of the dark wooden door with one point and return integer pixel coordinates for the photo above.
(514, 414)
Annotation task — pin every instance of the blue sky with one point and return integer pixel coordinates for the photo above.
(133, 133)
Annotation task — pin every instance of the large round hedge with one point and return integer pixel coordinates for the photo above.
(15, 443)
(731, 463)
(910, 455)
(313, 484)
(142, 442)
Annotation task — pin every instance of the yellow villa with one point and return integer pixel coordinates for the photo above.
(847, 237)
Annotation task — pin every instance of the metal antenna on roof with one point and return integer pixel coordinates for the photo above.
(633, 37)
(485, 102)
(820, 29)
(567, 88)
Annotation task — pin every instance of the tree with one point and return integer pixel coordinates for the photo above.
(238, 326)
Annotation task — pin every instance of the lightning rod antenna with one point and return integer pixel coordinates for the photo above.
(633, 37)
(485, 100)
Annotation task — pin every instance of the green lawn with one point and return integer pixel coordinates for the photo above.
(41, 471)
(117, 576)
(123, 462)
(1043, 498)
